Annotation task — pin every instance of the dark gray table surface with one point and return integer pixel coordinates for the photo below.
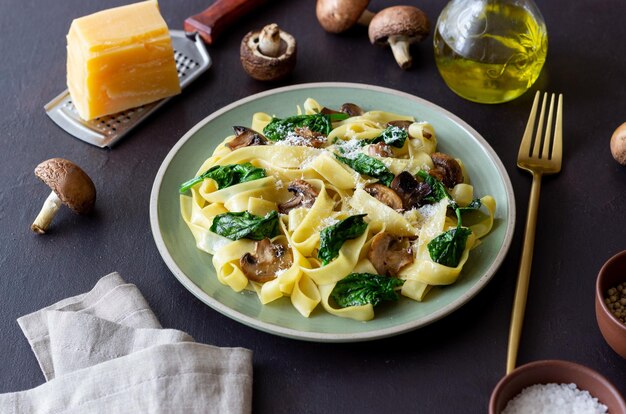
(448, 367)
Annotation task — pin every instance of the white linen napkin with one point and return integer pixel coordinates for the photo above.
(105, 352)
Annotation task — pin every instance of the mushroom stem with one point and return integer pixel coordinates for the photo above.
(45, 216)
(400, 48)
(366, 18)
(269, 40)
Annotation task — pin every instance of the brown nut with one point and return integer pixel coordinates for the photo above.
(618, 144)
(268, 54)
(399, 26)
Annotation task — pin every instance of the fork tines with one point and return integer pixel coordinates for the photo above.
(542, 146)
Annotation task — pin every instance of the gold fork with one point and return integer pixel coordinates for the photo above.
(539, 156)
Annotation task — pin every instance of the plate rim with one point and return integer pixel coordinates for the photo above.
(319, 336)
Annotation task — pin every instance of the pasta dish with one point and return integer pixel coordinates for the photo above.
(340, 209)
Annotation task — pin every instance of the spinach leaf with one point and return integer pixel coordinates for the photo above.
(448, 247)
(438, 189)
(333, 237)
(367, 165)
(226, 175)
(475, 204)
(278, 128)
(241, 225)
(362, 288)
(392, 135)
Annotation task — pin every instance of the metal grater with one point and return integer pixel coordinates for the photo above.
(192, 59)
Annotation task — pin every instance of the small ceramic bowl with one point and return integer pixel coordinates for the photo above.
(560, 372)
(611, 274)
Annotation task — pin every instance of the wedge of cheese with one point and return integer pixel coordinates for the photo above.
(119, 59)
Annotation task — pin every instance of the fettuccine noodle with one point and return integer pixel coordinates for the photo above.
(298, 269)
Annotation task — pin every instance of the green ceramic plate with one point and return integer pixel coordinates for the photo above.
(193, 267)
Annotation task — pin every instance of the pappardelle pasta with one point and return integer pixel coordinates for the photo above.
(342, 208)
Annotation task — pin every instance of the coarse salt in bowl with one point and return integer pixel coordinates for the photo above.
(572, 388)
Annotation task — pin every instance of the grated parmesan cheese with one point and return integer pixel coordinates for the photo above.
(427, 211)
(326, 222)
(351, 148)
(294, 139)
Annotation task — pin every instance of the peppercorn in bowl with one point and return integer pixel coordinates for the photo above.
(611, 302)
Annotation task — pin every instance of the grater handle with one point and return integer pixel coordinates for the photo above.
(218, 16)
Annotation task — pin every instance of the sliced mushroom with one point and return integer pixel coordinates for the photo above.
(70, 185)
(410, 191)
(447, 169)
(389, 253)
(309, 137)
(268, 54)
(245, 137)
(268, 258)
(400, 124)
(337, 16)
(304, 195)
(385, 195)
(351, 109)
(328, 111)
(380, 149)
(399, 26)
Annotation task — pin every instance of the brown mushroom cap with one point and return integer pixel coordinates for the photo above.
(268, 258)
(309, 138)
(380, 149)
(447, 169)
(410, 191)
(389, 253)
(245, 137)
(304, 195)
(71, 184)
(406, 21)
(268, 68)
(385, 195)
(337, 16)
(403, 124)
(351, 109)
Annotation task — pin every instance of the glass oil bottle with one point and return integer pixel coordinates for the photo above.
(490, 51)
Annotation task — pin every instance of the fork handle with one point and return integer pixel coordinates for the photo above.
(523, 277)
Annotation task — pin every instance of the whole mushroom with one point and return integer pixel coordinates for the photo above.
(268, 54)
(618, 144)
(399, 27)
(70, 186)
(337, 16)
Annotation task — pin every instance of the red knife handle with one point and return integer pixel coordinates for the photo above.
(218, 16)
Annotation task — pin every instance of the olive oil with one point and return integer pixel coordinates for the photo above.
(490, 51)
